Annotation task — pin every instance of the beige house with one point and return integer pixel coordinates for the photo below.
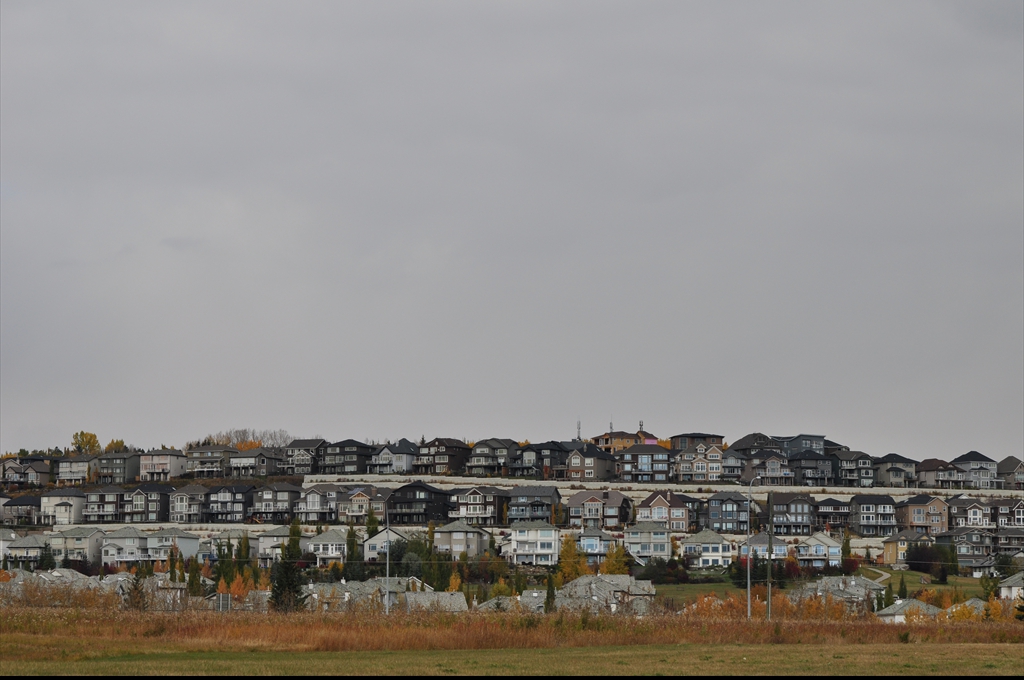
(458, 537)
(924, 514)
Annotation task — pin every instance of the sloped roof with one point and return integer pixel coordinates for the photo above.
(972, 457)
(448, 602)
(909, 605)
(1008, 465)
(704, 536)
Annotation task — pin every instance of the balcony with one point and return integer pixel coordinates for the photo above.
(466, 512)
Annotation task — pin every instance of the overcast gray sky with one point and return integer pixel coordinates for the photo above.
(378, 220)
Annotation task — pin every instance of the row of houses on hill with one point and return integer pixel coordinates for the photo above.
(803, 460)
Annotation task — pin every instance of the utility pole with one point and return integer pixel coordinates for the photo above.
(771, 535)
(750, 507)
(387, 561)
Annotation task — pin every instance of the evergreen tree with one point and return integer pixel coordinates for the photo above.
(549, 600)
(136, 596)
(846, 545)
(889, 598)
(286, 589)
(372, 524)
(195, 583)
(46, 561)
(6, 565)
(65, 562)
(242, 553)
(902, 592)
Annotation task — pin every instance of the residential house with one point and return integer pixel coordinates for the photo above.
(965, 511)
(394, 458)
(856, 468)
(436, 602)
(758, 544)
(617, 440)
(318, 504)
(7, 536)
(894, 470)
(207, 462)
(228, 504)
(231, 541)
(608, 509)
(801, 442)
(923, 514)
(813, 468)
(727, 512)
(855, 591)
(490, 457)
(594, 543)
(933, 473)
(1010, 587)
(442, 456)
(895, 547)
(833, 513)
(126, 545)
(78, 544)
(61, 506)
(242, 464)
(1011, 471)
(819, 551)
(897, 613)
(668, 508)
(188, 504)
(355, 505)
(347, 457)
(981, 471)
(146, 503)
(529, 503)
(1007, 512)
(418, 503)
(793, 514)
(160, 542)
(268, 545)
(376, 547)
(118, 467)
(161, 465)
(773, 469)
(1010, 541)
(302, 456)
(974, 547)
(588, 463)
(606, 593)
(647, 540)
(480, 505)
(26, 551)
(706, 549)
(76, 469)
(702, 465)
(536, 543)
(646, 463)
(22, 510)
(733, 464)
(458, 537)
(275, 503)
(757, 444)
(103, 505)
(270, 460)
(527, 461)
(329, 546)
(873, 514)
(691, 441)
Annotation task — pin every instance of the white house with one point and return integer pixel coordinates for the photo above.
(534, 543)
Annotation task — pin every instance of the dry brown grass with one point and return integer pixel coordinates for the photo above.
(335, 632)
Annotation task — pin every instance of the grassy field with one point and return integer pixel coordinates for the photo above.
(706, 640)
(52, 656)
(688, 592)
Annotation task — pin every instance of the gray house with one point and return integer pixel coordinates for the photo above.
(528, 503)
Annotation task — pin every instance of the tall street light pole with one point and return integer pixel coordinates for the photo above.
(750, 503)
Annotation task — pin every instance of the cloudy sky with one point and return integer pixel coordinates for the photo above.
(463, 219)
